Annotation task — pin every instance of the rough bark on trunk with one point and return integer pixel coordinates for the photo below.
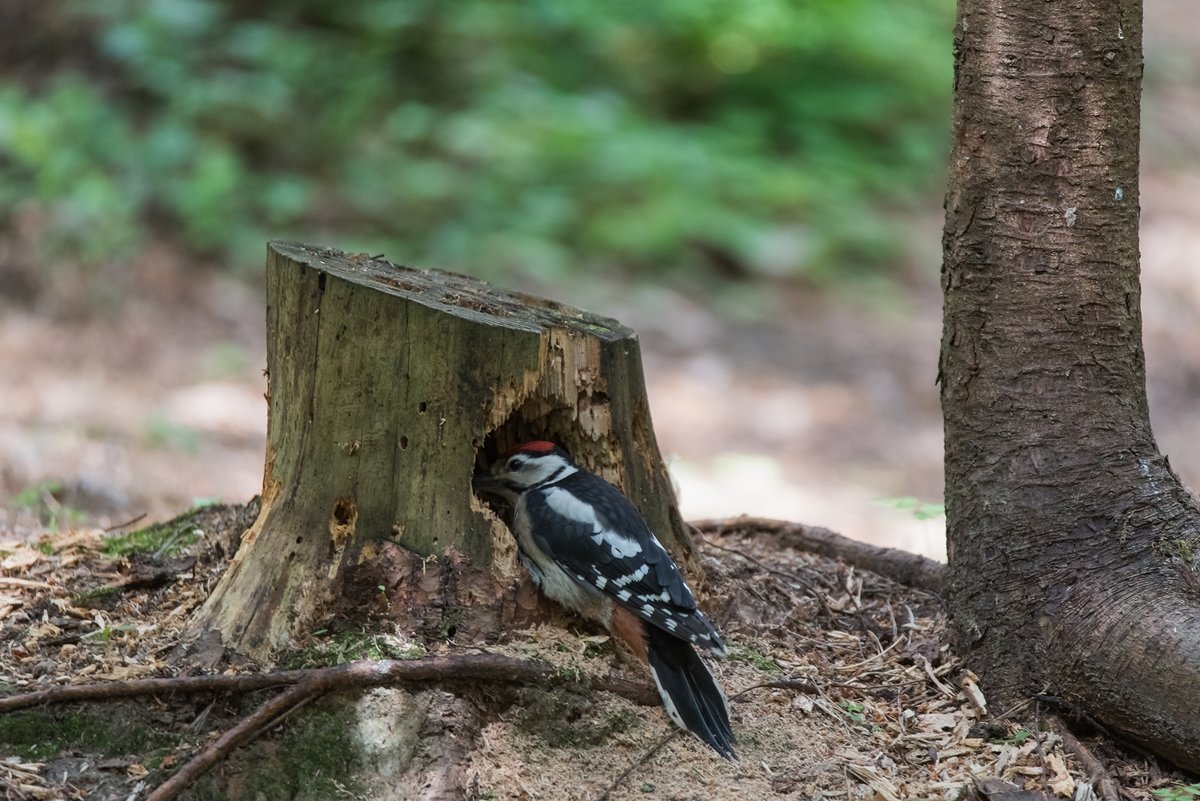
(387, 387)
(1072, 544)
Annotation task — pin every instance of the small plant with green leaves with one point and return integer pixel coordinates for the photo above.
(573, 674)
(750, 656)
(1016, 738)
(854, 710)
(1178, 792)
(107, 633)
(597, 645)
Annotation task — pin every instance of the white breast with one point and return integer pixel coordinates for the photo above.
(557, 585)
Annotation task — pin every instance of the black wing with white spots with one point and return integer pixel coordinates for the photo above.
(599, 538)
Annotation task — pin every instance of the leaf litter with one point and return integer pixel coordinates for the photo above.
(843, 685)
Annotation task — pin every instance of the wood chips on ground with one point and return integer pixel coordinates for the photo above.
(842, 683)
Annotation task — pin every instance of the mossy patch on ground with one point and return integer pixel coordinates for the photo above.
(41, 734)
(313, 757)
(161, 540)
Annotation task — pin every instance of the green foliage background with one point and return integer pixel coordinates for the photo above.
(495, 137)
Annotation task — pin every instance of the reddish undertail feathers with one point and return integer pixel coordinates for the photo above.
(588, 548)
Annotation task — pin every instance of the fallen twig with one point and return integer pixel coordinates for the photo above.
(126, 524)
(1106, 787)
(245, 731)
(799, 685)
(907, 568)
(642, 760)
(358, 675)
(809, 688)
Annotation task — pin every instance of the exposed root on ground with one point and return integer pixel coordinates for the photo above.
(359, 675)
(910, 569)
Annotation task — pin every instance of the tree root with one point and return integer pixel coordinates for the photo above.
(304, 685)
(491, 668)
(449, 734)
(907, 568)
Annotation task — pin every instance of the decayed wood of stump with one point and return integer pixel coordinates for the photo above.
(388, 386)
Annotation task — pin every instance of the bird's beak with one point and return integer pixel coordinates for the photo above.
(486, 485)
(493, 488)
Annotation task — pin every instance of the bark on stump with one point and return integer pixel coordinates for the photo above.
(387, 387)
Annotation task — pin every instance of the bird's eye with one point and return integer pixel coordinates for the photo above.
(516, 463)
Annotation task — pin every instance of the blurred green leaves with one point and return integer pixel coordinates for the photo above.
(490, 136)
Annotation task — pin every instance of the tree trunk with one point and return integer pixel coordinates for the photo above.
(388, 386)
(1072, 545)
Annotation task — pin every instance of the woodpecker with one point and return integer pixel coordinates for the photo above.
(588, 548)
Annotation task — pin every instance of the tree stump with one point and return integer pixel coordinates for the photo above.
(387, 388)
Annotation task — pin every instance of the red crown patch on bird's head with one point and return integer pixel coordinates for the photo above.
(537, 446)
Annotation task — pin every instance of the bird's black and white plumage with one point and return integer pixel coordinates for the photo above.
(588, 548)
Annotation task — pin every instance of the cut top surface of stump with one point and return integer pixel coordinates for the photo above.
(457, 294)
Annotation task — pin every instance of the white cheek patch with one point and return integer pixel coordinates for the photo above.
(564, 503)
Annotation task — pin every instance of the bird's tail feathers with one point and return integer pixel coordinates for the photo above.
(692, 697)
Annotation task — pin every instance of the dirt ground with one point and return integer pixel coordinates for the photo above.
(841, 684)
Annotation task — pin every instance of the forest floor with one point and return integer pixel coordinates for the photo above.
(842, 687)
